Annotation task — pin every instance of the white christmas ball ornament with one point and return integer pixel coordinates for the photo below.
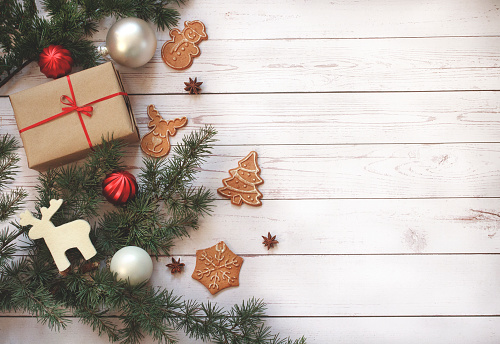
(132, 263)
(131, 42)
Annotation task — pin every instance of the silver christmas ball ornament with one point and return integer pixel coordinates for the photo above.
(131, 42)
(132, 263)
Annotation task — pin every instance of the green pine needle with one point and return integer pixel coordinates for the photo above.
(166, 207)
(24, 33)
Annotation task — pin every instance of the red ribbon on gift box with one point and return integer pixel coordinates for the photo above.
(71, 102)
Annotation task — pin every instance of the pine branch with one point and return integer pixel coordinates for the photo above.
(12, 73)
(242, 324)
(7, 245)
(187, 159)
(46, 309)
(30, 295)
(9, 202)
(80, 187)
(24, 33)
(96, 319)
(8, 159)
(166, 207)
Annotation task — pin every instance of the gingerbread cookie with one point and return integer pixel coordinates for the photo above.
(179, 52)
(242, 185)
(217, 268)
(156, 143)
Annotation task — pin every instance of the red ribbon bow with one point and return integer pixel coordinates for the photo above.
(86, 110)
(71, 102)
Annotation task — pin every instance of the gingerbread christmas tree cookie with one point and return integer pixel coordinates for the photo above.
(217, 268)
(242, 185)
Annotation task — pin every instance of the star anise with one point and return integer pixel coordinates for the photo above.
(269, 241)
(192, 86)
(176, 266)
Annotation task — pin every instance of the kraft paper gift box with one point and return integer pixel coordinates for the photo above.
(60, 120)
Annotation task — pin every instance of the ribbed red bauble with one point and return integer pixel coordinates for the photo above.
(119, 187)
(55, 61)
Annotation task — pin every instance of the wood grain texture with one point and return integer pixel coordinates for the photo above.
(355, 285)
(356, 226)
(386, 330)
(347, 171)
(317, 65)
(334, 118)
(377, 129)
(268, 19)
(349, 286)
(353, 227)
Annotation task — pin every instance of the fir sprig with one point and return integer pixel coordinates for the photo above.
(24, 33)
(167, 206)
(10, 201)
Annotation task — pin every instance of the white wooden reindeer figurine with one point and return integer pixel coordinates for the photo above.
(62, 238)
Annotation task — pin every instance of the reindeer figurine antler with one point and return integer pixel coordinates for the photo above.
(156, 143)
(62, 238)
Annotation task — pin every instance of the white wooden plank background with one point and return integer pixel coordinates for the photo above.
(368, 330)
(319, 65)
(377, 129)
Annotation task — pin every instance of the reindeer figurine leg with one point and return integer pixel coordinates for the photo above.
(83, 244)
(60, 259)
(87, 250)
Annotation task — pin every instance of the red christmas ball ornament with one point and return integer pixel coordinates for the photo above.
(55, 61)
(119, 187)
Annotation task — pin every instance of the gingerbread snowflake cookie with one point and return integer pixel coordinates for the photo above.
(217, 268)
(242, 185)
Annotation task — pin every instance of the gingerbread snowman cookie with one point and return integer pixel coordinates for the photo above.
(179, 52)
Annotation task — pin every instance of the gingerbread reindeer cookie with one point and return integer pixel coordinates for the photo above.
(156, 143)
(179, 52)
